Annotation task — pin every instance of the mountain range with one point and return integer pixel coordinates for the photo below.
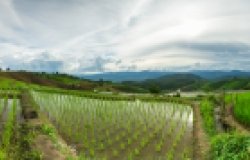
(143, 75)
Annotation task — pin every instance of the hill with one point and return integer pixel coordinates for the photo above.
(169, 82)
(190, 82)
(48, 79)
(175, 81)
(143, 75)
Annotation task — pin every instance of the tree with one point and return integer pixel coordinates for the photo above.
(178, 93)
(154, 89)
(101, 82)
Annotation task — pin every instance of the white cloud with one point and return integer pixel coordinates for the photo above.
(97, 35)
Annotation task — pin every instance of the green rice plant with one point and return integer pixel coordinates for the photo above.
(129, 140)
(170, 155)
(117, 138)
(110, 141)
(9, 126)
(185, 156)
(136, 135)
(122, 146)
(104, 158)
(144, 142)
(101, 146)
(98, 124)
(241, 108)
(158, 147)
(207, 112)
(130, 156)
(92, 152)
(115, 153)
(137, 151)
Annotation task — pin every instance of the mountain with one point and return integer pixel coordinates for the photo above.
(183, 81)
(170, 82)
(218, 74)
(124, 76)
(188, 82)
(143, 75)
(175, 81)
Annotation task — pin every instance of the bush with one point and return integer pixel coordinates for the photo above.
(230, 147)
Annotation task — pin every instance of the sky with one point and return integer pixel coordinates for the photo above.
(91, 36)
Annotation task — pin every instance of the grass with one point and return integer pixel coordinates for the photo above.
(230, 147)
(207, 112)
(241, 107)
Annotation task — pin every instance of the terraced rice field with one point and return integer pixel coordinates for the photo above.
(10, 112)
(104, 129)
(241, 106)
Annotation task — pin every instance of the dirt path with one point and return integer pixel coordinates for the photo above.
(42, 142)
(201, 142)
(233, 123)
(47, 148)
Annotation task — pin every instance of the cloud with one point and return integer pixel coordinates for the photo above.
(229, 48)
(78, 36)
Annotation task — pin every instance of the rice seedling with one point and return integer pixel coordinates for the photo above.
(207, 111)
(104, 125)
(241, 108)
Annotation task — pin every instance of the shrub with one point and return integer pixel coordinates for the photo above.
(230, 147)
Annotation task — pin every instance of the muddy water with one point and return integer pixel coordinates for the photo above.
(217, 118)
(19, 117)
(158, 118)
(6, 109)
(7, 106)
(149, 152)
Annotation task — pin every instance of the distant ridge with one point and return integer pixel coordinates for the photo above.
(143, 75)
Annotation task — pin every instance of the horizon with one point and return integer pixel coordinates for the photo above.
(81, 36)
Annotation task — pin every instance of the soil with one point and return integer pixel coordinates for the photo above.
(47, 148)
(42, 143)
(201, 141)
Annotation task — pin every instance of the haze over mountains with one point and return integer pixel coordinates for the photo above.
(143, 75)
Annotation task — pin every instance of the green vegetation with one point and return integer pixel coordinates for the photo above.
(241, 109)
(7, 83)
(183, 81)
(229, 84)
(24, 149)
(104, 126)
(112, 125)
(207, 112)
(191, 82)
(230, 147)
(8, 132)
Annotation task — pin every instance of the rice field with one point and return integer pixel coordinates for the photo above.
(10, 112)
(207, 112)
(111, 130)
(241, 105)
